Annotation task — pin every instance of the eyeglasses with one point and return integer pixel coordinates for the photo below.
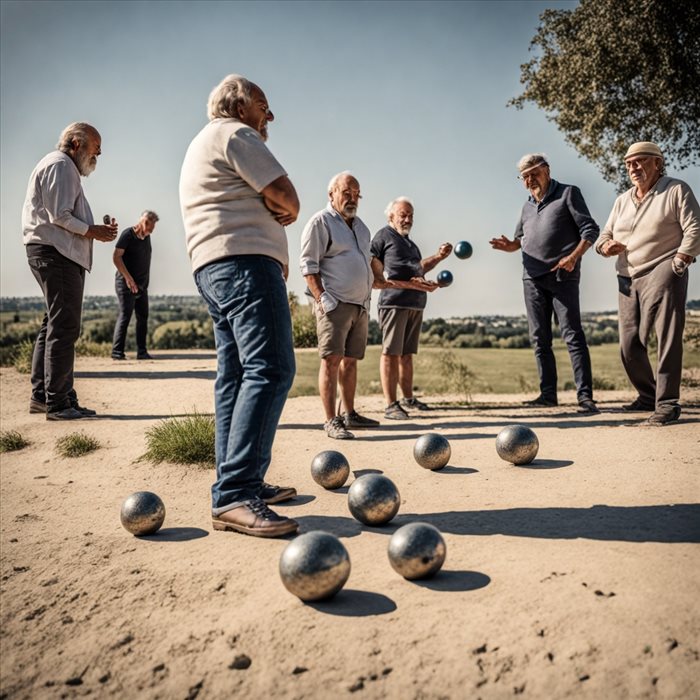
(532, 172)
(629, 164)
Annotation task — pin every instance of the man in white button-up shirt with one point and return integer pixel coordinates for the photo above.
(335, 261)
(58, 231)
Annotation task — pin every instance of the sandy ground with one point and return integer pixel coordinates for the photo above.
(576, 576)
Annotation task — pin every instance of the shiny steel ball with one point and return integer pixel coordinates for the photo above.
(417, 550)
(142, 513)
(445, 278)
(373, 499)
(432, 451)
(517, 444)
(314, 566)
(330, 469)
(463, 250)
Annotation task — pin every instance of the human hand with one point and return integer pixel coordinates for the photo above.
(285, 272)
(611, 247)
(105, 234)
(567, 263)
(133, 287)
(680, 263)
(285, 219)
(327, 302)
(504, 243)
(423, 285)
(444, 250)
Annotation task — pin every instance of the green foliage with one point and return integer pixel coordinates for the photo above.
(460, 377)
(183, 335)
(22, 357)
(11, 441)
(304, 327)
(188, 440)
(76, 445)
(87, 348)
(612, 72)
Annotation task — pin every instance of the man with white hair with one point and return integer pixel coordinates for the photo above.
(58, 231)
(132, 258)
(236, 200)
(654, 230)
(554, 231)
(335, 262)
(399, 271)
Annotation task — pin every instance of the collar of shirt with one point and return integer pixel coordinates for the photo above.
(550, 191)
(339, 216)
(404, 236)
(652, 191)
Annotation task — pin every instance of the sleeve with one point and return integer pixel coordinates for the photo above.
(689, 221)
(248, 155)
(314, 241)
(587, 227)
(377, 247)
(123, 240)
(519, 229)
(60, 188)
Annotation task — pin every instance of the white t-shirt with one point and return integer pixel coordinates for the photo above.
(226, 167)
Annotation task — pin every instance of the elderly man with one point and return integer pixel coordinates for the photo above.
(132, 258)
(554, 231)
(58, 231)
(399, 271)
(654, 230)
(236, 200)
(335, 262)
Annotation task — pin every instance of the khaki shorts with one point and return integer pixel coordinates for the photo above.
(400, 330)
(342, 331)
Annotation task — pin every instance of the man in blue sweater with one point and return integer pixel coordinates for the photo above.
(554, 231)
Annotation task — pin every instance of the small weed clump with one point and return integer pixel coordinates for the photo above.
(188, 440)
(76, 445)
(460, 377)
(22, 357)
(11, 441)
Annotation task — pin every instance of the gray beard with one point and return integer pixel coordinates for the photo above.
(85, 166)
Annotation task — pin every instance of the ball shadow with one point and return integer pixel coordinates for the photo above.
(449, 469)
(455, 581)
(176, 534)
(338, 526)
(546, 464)
(357, 473)
(353, 603)
(298, 500)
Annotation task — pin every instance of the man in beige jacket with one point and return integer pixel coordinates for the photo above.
(654, 230)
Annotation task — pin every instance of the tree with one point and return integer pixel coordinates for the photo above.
(612, 72)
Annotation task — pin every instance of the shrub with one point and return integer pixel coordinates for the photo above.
(22, 359)
(76, 445)
(459, 376)
(188, 440)
(603, 384)
(88, 348)
(304, 329)
(183, 335)
(11, 441)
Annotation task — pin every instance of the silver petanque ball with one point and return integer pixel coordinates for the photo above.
(314, 566)
(417, 550)
(142, 513)
(432, 451)
(517, 444)
(373, 499)
(330, 469)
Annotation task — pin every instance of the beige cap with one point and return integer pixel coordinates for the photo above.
(644, 148)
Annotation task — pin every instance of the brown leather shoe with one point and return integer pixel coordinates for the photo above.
(253, 517)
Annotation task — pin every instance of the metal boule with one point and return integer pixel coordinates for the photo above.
(373, 499)
(314, 566)
(432, 451)
(417, 550)
(142, 513)
(330, 469)
(517, 444)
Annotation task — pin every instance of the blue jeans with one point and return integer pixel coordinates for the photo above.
(546, 295)
(247, 300)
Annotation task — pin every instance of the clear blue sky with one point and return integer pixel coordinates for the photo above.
(409, 96)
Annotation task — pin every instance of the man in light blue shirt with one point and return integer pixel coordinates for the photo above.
(335, 261)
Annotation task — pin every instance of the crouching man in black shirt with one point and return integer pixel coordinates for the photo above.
(132, 258)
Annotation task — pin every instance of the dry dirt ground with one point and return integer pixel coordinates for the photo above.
(574, 577)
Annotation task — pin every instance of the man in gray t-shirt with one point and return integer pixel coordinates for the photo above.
(236, 199)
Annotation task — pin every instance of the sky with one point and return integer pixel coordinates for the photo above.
(409, 96)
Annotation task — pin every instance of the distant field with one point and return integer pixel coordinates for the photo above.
(495, 370)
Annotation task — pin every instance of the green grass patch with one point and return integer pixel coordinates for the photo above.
(11, 441)
(76, 445)
(188, 440)
(492, 370)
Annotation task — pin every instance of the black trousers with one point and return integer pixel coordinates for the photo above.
(62, 282)
(128, 304)
(546, 295)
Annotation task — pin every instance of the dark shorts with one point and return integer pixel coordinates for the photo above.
(342, 331)
(400, 330)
